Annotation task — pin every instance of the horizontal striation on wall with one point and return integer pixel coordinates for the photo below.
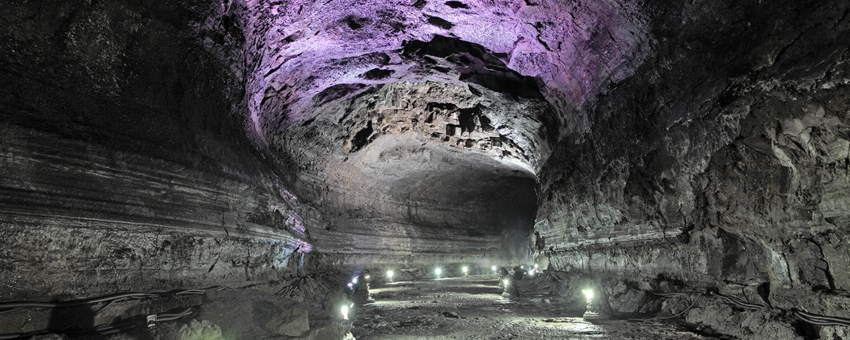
(81, 217)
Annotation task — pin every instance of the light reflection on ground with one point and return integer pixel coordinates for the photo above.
(473, 308)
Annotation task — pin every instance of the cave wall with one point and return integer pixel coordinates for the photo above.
(722, 162)
(124, 164)
(394, 186)
(184, 144)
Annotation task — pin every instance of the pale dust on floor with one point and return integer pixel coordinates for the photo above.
(426, 310)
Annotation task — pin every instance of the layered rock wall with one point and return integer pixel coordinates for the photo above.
(123, 162)
(721, 163)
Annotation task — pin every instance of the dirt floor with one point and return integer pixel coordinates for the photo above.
(473, 308)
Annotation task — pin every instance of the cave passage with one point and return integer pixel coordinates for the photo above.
(250, 169)
(473, 307)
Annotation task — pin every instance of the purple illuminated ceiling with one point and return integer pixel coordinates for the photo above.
(298, 49)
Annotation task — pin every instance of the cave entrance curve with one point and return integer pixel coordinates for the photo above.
(423, 168)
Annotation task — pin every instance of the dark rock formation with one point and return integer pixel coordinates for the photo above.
(635, 146)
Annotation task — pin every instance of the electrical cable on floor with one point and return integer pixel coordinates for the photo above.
(737, 302)
(31, 304)
(93, 315)
(108, 329)
(10, 310)
(814, 319)
(682, 312)
(669, 295)
(820, 319)
(172, 317)
(17, 306)
(674, 315)
(9, 306)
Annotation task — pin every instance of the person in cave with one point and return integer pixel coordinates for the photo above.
(503, 274)
(360, 293)
(507, 282)
(519, 273)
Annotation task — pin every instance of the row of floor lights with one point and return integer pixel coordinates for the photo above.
(439, 271)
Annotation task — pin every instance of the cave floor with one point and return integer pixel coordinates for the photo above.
(473, 308)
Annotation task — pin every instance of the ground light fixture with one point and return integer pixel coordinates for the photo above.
(390, 274)
(465, 270)
(535, 266)
(345, 312)
(593, 312)
(494, 269)
(437, 272)
(506, 282)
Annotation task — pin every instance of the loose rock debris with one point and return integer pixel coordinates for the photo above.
(473, 308)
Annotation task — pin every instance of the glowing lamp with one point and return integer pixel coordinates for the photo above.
(354, 280)
(535, 266)
(438, 271)
(465, 269)
(594, 310)
(345, 312)
(390, 274)
(506, 282)
(494, 268)
(367, 277)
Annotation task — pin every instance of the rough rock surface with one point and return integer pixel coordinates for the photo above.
(635, 146)
(721, 168)
(203, 330)
(291, 322)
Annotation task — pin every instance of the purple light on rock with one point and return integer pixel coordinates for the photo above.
(303, 247)
(294, 221)
(288, 196)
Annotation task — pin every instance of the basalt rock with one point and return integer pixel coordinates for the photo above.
(635, 146)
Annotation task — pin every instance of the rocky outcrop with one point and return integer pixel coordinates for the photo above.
(415, 169)
(717, 164)
(124, 163)
(638, 145)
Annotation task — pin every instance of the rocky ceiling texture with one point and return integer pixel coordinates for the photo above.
(190, 143)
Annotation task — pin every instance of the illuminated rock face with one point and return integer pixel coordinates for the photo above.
(705, 142)
(421, 126)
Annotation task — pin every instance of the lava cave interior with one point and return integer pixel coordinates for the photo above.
(424, 169)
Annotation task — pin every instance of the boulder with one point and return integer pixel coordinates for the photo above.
(291, 322)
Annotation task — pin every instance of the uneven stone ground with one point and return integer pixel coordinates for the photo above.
(426, 310)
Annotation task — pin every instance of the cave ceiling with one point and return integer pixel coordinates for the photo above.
(403, 128)
(416, 117)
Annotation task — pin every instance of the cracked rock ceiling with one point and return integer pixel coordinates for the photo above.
(181, 142)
